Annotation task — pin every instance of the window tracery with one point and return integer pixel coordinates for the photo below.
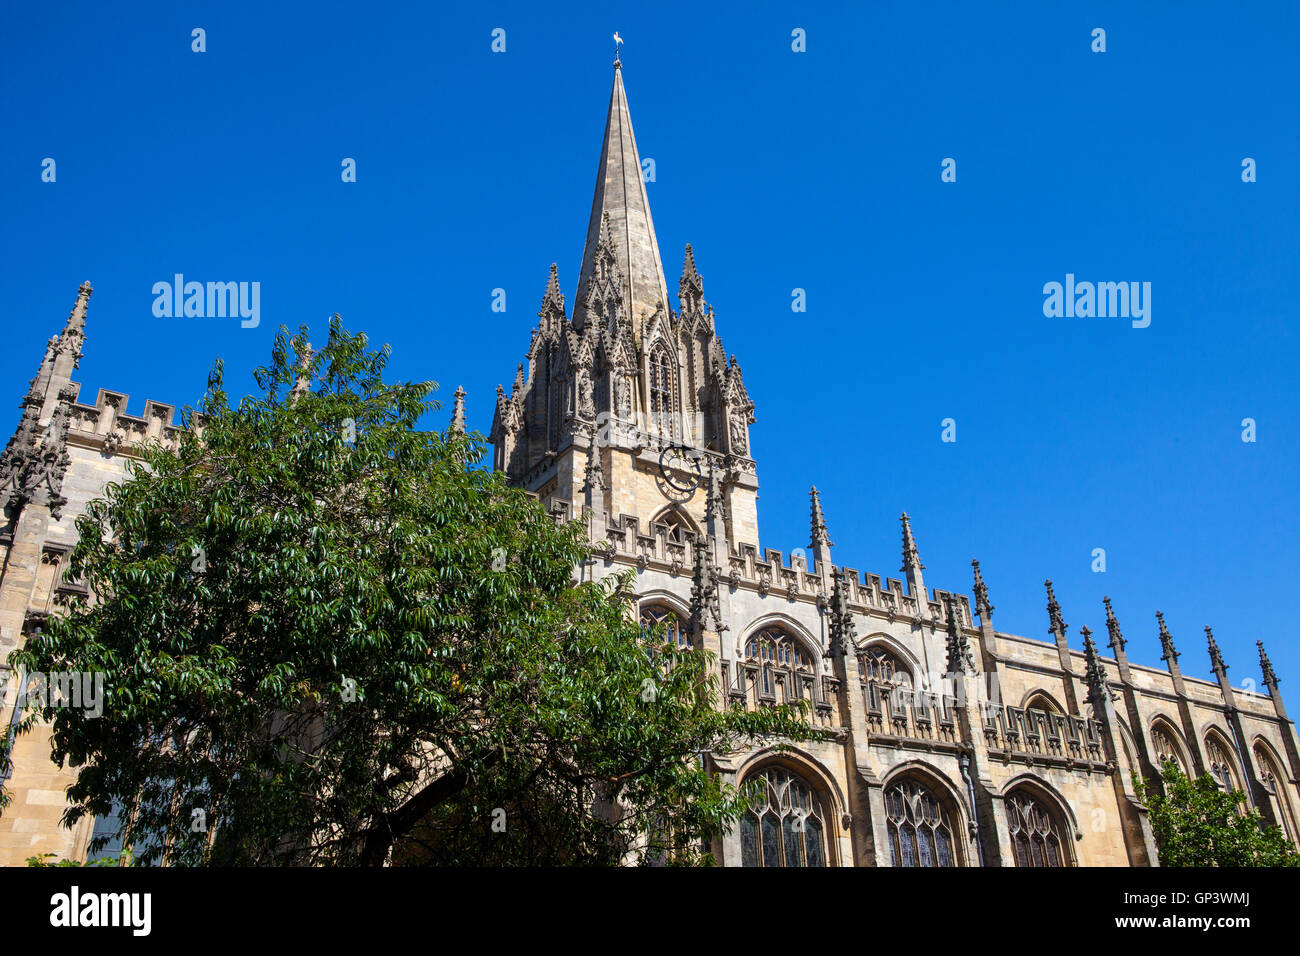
(1165, 748)
(771, 652)
(918, 826)
(786, 826)
(663, 391)
(654, 616)
(1035, 835)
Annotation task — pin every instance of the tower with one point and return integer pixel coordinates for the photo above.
(625, 377)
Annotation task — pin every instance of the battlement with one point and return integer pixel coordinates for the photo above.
(108, 426)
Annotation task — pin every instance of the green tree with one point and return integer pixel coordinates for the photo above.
(327, 637)
(1196, 823)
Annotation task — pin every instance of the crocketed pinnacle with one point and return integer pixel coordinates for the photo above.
(911, 557)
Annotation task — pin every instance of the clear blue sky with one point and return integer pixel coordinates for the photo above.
(818, 170)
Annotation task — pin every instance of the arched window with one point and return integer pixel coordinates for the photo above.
(676, 523)
(1044, 703)
(919, 826)
(881, 671)
(663, 391)
(1162, 739)
(1035, 835)
(772, 650)
(1274, 781)
(654, 616)
(1222, 767)
(786, 826)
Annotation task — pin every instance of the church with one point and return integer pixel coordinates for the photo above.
(950, 743)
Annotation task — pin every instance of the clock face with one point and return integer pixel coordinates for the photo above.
(679, 472)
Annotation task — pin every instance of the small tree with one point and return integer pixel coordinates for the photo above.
(327, 637)
(1197, 823)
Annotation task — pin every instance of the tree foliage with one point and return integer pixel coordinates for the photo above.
(328, 637)
(1197, 823)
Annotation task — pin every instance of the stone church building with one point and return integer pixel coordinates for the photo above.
(951, 743)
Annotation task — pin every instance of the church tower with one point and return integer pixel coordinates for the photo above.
(627, 405)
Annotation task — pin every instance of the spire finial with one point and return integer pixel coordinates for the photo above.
(302, 384)
(843, 631)
(960, 660)
(1095, 674)
(1266, 666)
(982, 605)
(1166, 640)
(911, 557)
(458, 410)
(820, 536)
(1117, 641)
(1216, 658)
(618, 42)
(1058, 625)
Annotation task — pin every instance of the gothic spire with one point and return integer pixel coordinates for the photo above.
(820, 536)
(552, 311)
(621, 195)
(843, 632)
(982, 606)
(1058, 625)
(1117, 641)
(960, 660)
(1216, 658)
(706, 613)
(1095, 674)
(302, 384)
(1166, 641)
(74, 330)
(690, 290)
(458, 410)
(1266, 667)
(911, 557)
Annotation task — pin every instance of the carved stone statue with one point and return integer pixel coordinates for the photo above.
(586, 405)
(739, 434)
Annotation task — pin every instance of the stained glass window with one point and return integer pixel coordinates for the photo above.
(790, 819)
(773, 648)
(654, 616)
(918, 826)
(1034, 831)
(1165, 748)
(1221, 765)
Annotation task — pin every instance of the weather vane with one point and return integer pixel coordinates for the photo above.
(618, 41)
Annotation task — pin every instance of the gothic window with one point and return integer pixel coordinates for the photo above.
(677, 525)
(663, 391)
(773, 650)
(1222, 768)
(786, 826)
(1274, 781)
(656, 616)
(1035, 836)
(881, 671)
(918, 826)
(1044, 703)
(1165, 748)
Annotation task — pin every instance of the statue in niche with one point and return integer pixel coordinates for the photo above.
(622, 395)
(739, 434)
(586, 405)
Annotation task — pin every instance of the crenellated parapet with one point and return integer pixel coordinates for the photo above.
(106, 426)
